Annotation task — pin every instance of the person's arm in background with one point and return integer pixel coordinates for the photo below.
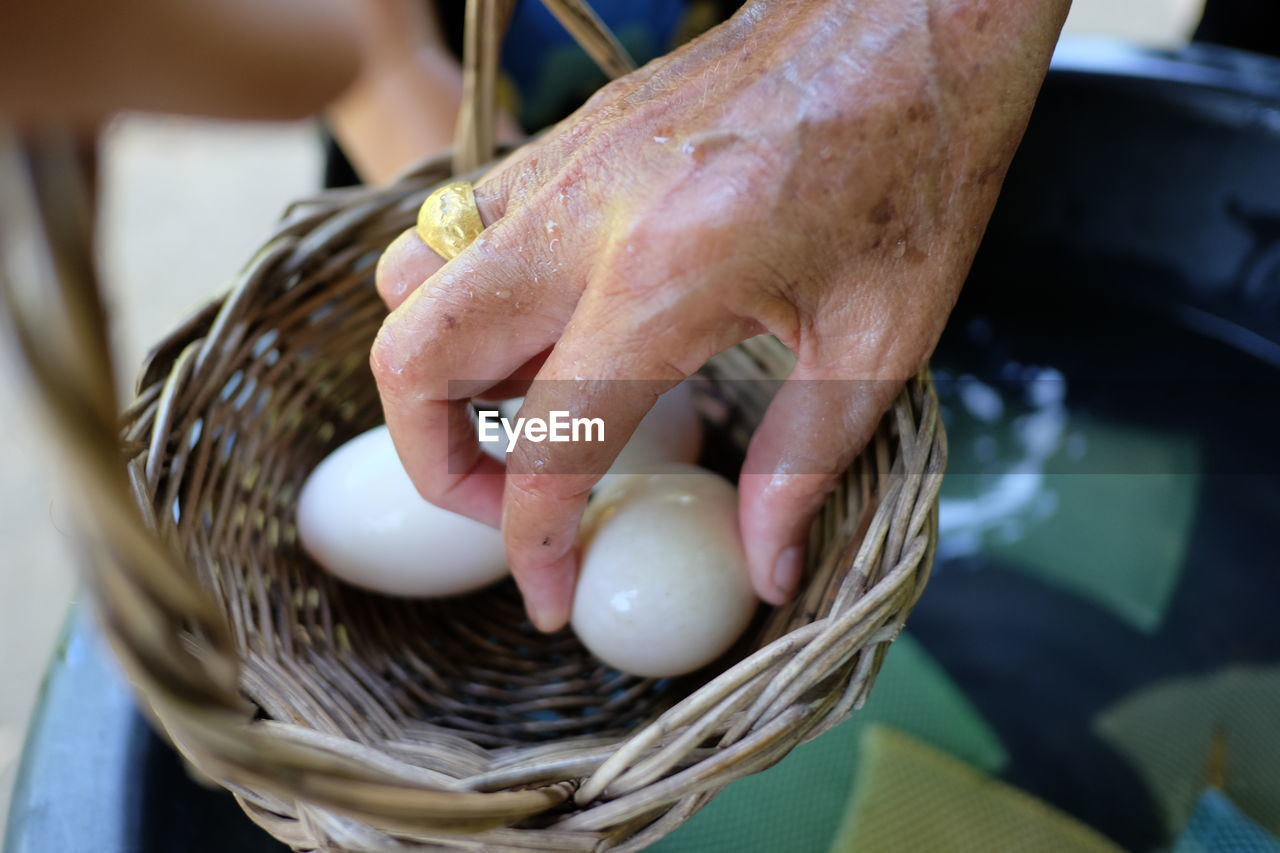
(819, 171)
(75, 61)
(380, 68)
(403, 105)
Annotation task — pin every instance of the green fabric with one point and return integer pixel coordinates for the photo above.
(1182, 733)
(796, 805)
(910, 796)
(1118, 539)
(1217, 826)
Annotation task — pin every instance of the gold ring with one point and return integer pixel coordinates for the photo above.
(449, 220)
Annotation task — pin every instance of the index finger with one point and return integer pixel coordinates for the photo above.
(548, 484)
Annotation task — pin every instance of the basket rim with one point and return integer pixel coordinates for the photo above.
(616, 780)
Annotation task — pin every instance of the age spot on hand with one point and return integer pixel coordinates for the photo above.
(882, 213)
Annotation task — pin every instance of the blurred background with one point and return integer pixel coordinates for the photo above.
(185, 202)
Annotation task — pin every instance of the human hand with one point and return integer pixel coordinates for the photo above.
(821, 173)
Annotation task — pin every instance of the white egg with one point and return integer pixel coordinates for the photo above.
(663, 587)
(670, 432)
(510, 409)
(497, 449)
(361, 518)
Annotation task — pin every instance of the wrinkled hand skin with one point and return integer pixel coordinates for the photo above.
(820, 171)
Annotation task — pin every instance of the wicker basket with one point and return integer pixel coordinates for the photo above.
(346, 721)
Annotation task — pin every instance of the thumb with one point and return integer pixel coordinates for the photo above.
(811, 432)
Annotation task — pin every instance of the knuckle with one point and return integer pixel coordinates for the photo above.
(535, 488)
(405, 367)
(605, 101)
(524, 487)
(647, 257)
(798, 495)
(509, 186)
(389, 274)
(386, 361)
(492, 194)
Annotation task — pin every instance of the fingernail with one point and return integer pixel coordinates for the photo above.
(786, 571)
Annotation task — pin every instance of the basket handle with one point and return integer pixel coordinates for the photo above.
(51, 297)
(475, 141)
